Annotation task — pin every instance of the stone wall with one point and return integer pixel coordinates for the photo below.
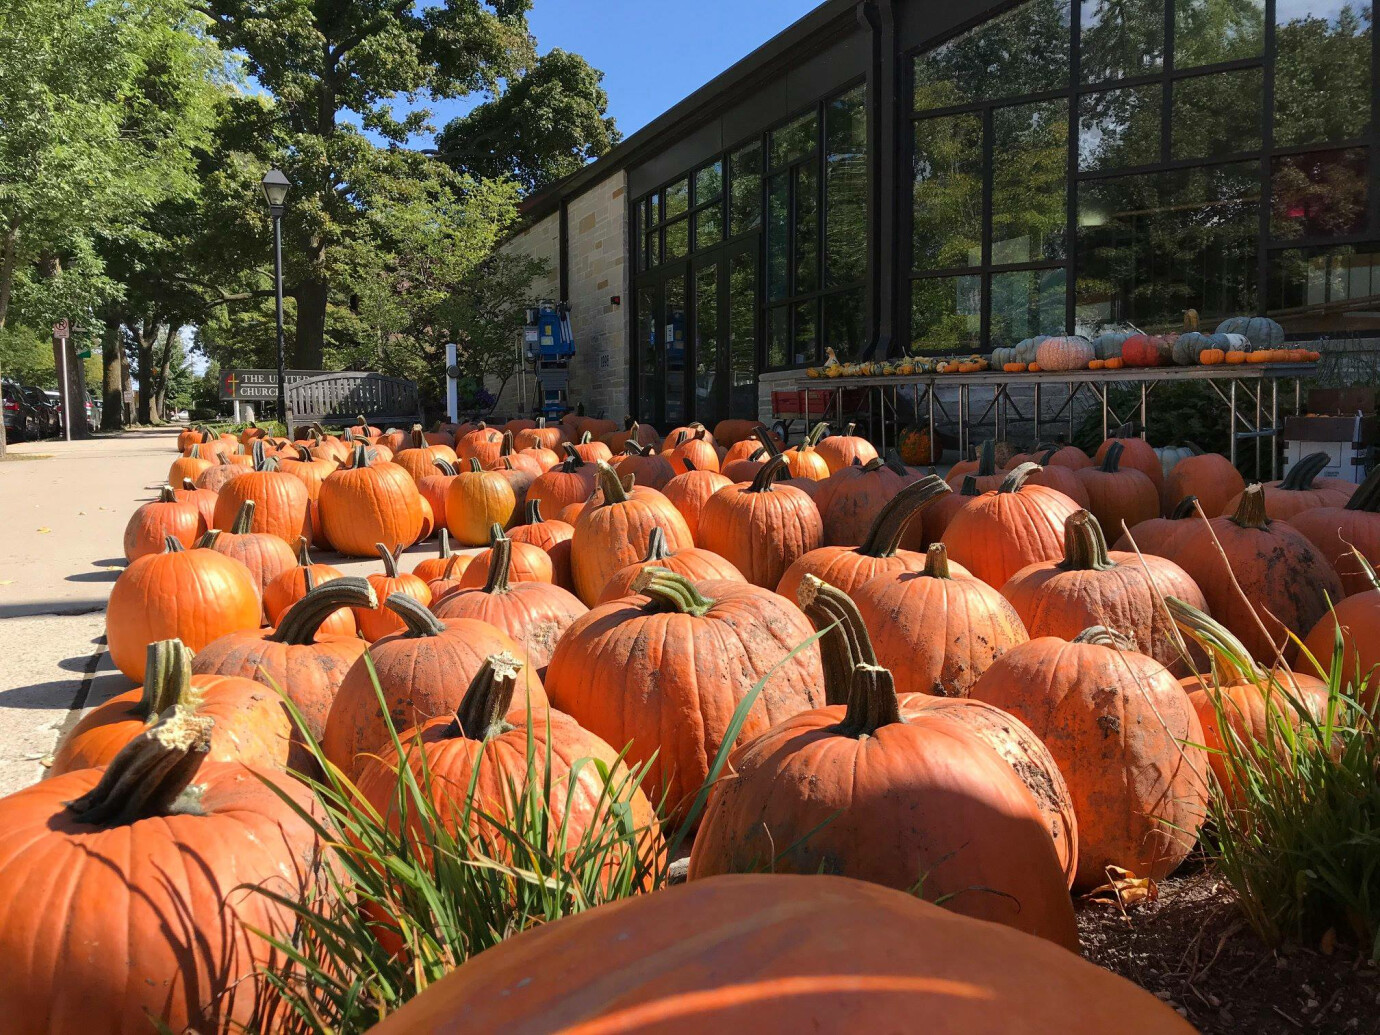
(598, 272)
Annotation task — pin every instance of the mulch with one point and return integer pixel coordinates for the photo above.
(1192, 949)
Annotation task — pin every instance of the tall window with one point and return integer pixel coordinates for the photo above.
(1080, 163)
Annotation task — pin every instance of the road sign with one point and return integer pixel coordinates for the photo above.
(61, 330)
(261, 385)
(84, 354)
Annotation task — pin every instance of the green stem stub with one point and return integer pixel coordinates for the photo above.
(480, 714)
(872, 703)
(1111, 460)
(657, 550)
(763, 435)
(389, 559)
(416, 617)
(244, 519)
(500, 564)
(1250, 512)
(150, 774)
(1367, 495)
(1101, 636)
(1301, 475)
(612, 488)
(1016, 479)
(1085, 547)
(671, 591)
(167, 678)
(773, 469)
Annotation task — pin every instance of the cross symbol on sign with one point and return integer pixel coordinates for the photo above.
(231, 381)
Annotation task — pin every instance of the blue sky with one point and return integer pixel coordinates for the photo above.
(652, 52)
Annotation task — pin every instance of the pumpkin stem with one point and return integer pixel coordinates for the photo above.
(969, 487)
(361, 456)
(937, 561)
(167, 678)
(303, 453)
(1250, 512)
(257, 452)
(987, 459)
(763, 435)
(303, 552)
(1085, 546)
(1301, 475)
(500, 563)
(479, 716)
(688, 464)
(816, 433)
(845, 643)
(541, 422)
(206, 542)
(1230, 658)
(506, 444)
(884, 537)
(768, 473)
(165, 494)
(188, 485)
(475, 466)
(657, 549)
(244, 519)
(416, 617)
(848, 430)
(1185, 508)
(681, 438)
(608, 482)
(533, 512)
(443, 550)
(150, 773)
(585, 440)
(1111, 460)
(896, 465)
(672, 591)
(418, 440)
(1367, 495)
(573, 461)
(1127, 430)
(389, 558)
(1014, 481)
(1101, 636)
(872, 703)
(444, 466)
(302, 621)
(875, 464)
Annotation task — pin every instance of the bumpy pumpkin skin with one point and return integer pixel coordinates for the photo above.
(780, 953)
(149, 918)
(914, 799)
(368, 504)
(1359, 617)
(1124, 735)
(666, 683)
(152, 523)
(615, 531)
(1209, 476)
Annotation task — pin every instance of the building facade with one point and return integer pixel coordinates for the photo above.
(911, 176)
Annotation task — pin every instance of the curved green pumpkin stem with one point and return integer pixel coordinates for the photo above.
(303, 453)
(688, 464)
(1085, 546)
(671, 591)
(1250, 511)
(871, 467)
(1047, 456)
(480, 714)
(167, 679)
(657, 550)
(416, 617)
(150, 773)
(260, 457)
(1101, 636)
(1127, 430)
(166, 494)
(609, 485)
(872, 702)
(1111, 460)
(1014, 481)
(681, 438)
(1301, 475)
(244, 519)
(302, 621)
(987, 459)
(500, 562)
(816, 434)
(774, 468)
(365, 424)
(573, 460)
(1185, 508)
(505, 447)
(1230, 658)
(585, 440)
(361, 456)
(532, 512)
(763, 435)
(206, 542)
(541, 422)
(444, 466)
(495, 533)
(846, 643)
(1367, 495)
(475, 466)
(634, 448)
(890, 524)
(443, 549)
(389, 558)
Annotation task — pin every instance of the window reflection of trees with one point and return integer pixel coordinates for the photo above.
(1216, 115)
(948, 192)
(1025, 50)
(1207, 32)
(1320, 194)
(1322, 71)
(946, 314)
(1120, 39)
(1029, 170)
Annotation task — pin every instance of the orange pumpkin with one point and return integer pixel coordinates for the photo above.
(203, 499)
(571, 482)
(1358, 618)
(589, 450)
(645, 464)
(377, 621)
(526, 563)
(693, 453)
(281, 502)
(217, 474)
(539, 437)
(695, 564)
(803, 460)
(475, 501)
(850, 499)
(689, 492)
(762, 528)
(1209, 476)
(1136, 453)
(841, 451)
(295, 583)
(264, 554)
(1300, 491)
(1159, 536)
(190, 466)
(1340, 533)
(369, 503)
(553, 536)
(151, 524)
(1118, 494)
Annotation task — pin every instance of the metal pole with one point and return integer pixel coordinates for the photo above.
(453, 385)
(65, 396)
(278, 291)
(1037, 413)
(1274, 429)
(1232, 422)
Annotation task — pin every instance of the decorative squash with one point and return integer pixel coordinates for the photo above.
(534, 613)
(151, 524)
(761, 528)
(1096, 364)
(1071, 352)
(1107, 345)
(1261, 332)
(850, 499)
(1000, 532)
(1118, 590)
(138, 885)
(1115, 363)
(840, 451)
(693, 563)
(1013, 368)
(1284, 582)
(1126, 739)
(475, 501)
(1119, 494)
(1145, 350)
(250, 723)
(689, 492)
(422, 673)
(524, 562)
(662, 673)
(1235, 357)
(1188, 348)
(551, 536)
(1300, 491)
(1211, 357)
(879, 553)
(264, 554)
(615, 531)
(1209, 476)
(281, 502)
(370, 503)
(1340, 532)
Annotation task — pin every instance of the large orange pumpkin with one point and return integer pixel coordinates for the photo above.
(540, 437)
(301, 658)
(525, 562)
(689, 492)
(377, 621)
(1209, 476)
(552, 536)
(281, 502)
(370, 503)
(190, 466)
(219, 473)
(1092, 586)
(476, 501)
(1000, 532)
(264, 554)
(850, 499)
(840, 451)
(920, 535)
(844, 956)
(573, 481)
(984, 469)
(422, 672)
(151, 524)
(1118, 494)
(1271, 582)
(1126, 739)
(762, 528)
(1358, 617)
(1340, 532)
(663, 673)
(614, 532)
(866, 791)
(589, 450)
(693, 452)
(148, 900)
(1299, 491)
(1160, 536)
(194, 595)
(1136, 454)
(802, 460)
(1061, 478)
(694, 563)
(251, 725)
(433, 487)
(880, 552)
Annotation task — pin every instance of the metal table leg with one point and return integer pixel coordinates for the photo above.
(1144, 409)
(1037, 412)
(1274, 429)
(929, 401)
(1232, 422)
(1260, 390)
(1102, 393)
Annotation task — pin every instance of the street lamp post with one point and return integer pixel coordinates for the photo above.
(275, 186)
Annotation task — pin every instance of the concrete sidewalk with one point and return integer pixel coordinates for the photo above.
(67, 507)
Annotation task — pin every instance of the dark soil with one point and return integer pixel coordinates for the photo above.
(1192, 949)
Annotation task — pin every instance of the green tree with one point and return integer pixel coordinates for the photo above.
(545, 126)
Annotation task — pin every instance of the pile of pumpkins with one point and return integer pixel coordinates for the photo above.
(982, 653)
(910, 366)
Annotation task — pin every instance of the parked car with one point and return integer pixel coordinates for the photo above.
(45, 404)
(94, 408)
(22, 421)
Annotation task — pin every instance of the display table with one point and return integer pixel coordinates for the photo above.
(1249, 392)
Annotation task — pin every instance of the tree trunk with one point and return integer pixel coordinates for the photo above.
(112, 375)
(8, 251)
(126, 388)
(310, 349)
(164, 362)
(145, 333)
